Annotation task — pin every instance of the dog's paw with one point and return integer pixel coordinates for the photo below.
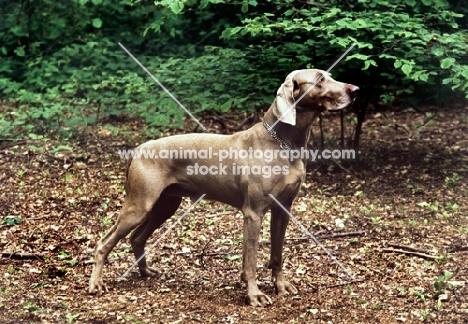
(97, 287)
(259, 300)
(149, 272)
(284, 288)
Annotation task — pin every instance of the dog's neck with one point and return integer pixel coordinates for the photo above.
(296, 136)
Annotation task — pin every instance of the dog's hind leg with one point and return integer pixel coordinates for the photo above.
(142, 195)
(164, 208)
(130, 217)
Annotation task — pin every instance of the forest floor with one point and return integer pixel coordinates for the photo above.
(406, 197)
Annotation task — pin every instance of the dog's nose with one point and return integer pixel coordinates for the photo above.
(353, 90)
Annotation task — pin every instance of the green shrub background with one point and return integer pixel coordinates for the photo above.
(61, 67)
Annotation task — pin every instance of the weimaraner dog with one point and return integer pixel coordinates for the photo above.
(155, 186)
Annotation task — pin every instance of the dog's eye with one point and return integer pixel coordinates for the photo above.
(295, 85)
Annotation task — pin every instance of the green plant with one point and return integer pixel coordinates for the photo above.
(415, 189)
(360, 194)
(67, 258)
(106, 220)
(462, 229)
(452, 206)
(11, 220)
(71, 318)
(233, 257)
(31, 307)
(322, 191)
(453, 179)
(301, 208)
(368, 209)
(425, 314)
(191, 226)
(39, 285)
(413, 222)
(348, 290)
(441, 284)
(400, 42)
(402, 291)
(421, 296)
(432, 207)
(105, 203)
(375, 219)
(67, 177)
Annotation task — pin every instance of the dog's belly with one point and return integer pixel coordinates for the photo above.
(229, 197)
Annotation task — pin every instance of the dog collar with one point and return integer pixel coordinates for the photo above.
(283, 144)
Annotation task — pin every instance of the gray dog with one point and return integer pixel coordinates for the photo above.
(155, 186)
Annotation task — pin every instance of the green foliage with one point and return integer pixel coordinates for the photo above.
(11, 220)
(402, 46)
(71, 318)
(441, 284)
(62, 69)
(31, 307)
(453, 179)
(77, 75)
(67, 258)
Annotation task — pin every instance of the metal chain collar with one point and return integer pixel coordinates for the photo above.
(283, 144)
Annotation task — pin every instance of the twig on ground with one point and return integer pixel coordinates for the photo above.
(410, 248)
(24, 256)
(36, 218)
(14, 140)
(329, 194)
(297, 238)
(215, 253)
(321, 232)
(318, 234)
(358, 233)
(422, 255)
(342, 284)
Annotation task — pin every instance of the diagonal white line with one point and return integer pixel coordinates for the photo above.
(162, 236)
(306, 231)
(162, 86)
(313, 85)
(341, 57)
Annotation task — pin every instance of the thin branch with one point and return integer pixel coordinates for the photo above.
(20, 142)
(358, 233)
(422, 255)
(23, 256)
(410, 248)
(318, 234)
(343, 284)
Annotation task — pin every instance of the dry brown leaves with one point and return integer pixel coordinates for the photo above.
(410, 190)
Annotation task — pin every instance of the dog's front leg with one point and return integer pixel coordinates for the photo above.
(279, 222)
(252, 226)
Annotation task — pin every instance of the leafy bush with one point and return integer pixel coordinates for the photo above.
(68, 71)
(61, 67)
(402, 46)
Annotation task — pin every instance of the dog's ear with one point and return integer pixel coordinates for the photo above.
(284, 108)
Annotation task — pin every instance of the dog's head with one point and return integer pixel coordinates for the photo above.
(311, 89)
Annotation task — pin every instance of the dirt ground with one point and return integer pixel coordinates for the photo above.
(401, 209)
